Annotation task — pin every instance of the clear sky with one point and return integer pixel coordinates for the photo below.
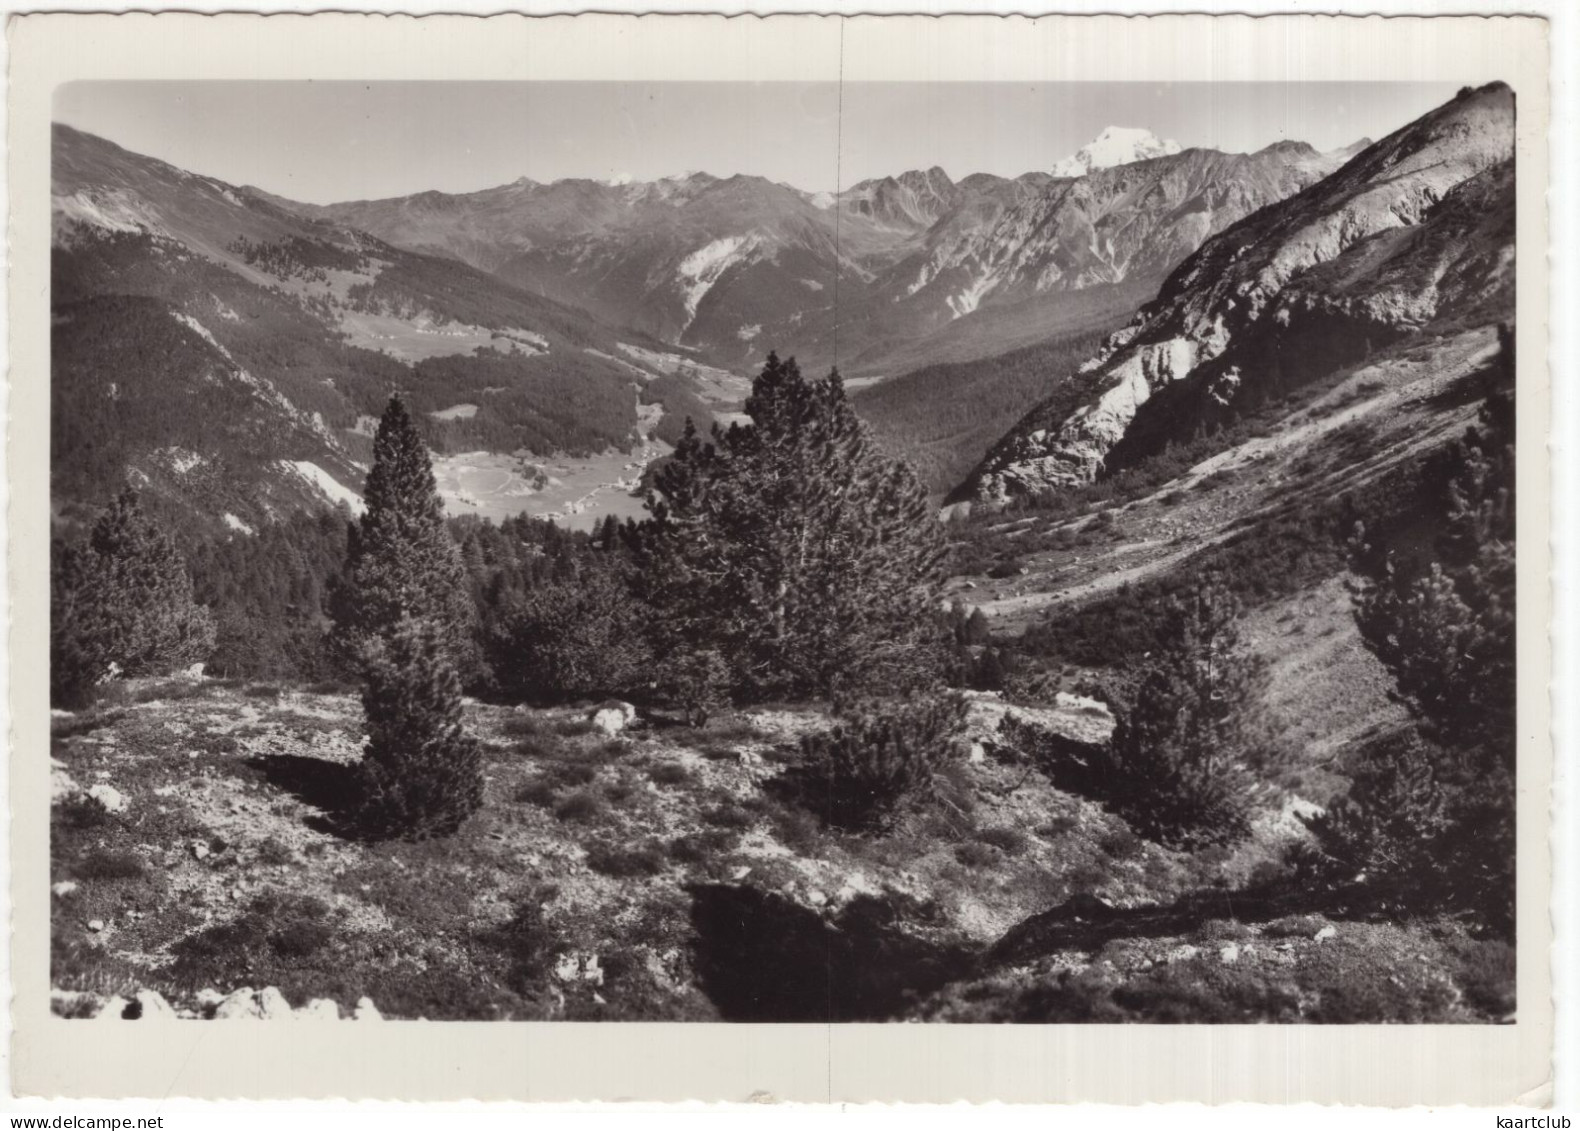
(326, 142)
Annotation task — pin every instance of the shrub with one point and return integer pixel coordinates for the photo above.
(525, 940)
(1173, 765)
(1390, 822)
(575, 638)
(670, 773)
(701, 847)
(80, 811)
(1121, 843)
(728, 816)
(120, 605)
(109, 864)
(275, 926)
(975, 855)
(860, 772)
(1010, 841)
(625, 863)
(579, 807)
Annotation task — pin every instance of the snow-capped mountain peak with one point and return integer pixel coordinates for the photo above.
(1116, 145)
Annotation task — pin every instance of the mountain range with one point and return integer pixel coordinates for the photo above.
(229, 348)
(922, 268)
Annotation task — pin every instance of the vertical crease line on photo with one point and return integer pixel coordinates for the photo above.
(839, 154)
(839, 182)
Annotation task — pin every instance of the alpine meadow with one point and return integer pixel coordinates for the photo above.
(1079, 596)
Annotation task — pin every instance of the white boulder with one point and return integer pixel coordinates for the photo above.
(609, 720)
(113, 800)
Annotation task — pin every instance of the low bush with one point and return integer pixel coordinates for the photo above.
(1010, 841)
(670, 773)
(109, 864)
(859, 773)
(579, 807)
(703, 847)
(974, 854)
(626, 863)
(276, 926)
(729, 816)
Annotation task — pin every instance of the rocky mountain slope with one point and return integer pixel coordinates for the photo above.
(229, 354)
(1413, 235)
(734, 267)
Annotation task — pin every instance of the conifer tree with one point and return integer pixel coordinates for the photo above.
(401, 560)
(1176, 761)
(793, 550)
(121, 603)
(403, 613)
(1445, 629)
(421, 775)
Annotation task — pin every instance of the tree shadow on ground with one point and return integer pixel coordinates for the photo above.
(761, 957)
(329, 787)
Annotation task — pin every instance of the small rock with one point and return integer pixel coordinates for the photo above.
(209, 996)
(61, 785)
(366, 1011)
(113, 800)
(598, 997)
(155, 1007)
(816, 898)
(1328, 932)
(1230, 954)
(741, 873)
(592, 972)
(113, 1010)
(1182, 952)
(609, 720)
(319, 1009)
(241, 1005)
(235, 893)
(199, 850)
(272, 1005)
(978, 754)
(64, 888)
(95, 924)
(194, 672)
(566, 967)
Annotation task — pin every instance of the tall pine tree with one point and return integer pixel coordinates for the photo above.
(401, 560)
(121, 604)
(403, 612)
(793, 551)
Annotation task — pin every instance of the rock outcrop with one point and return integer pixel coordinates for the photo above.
(1414, 229)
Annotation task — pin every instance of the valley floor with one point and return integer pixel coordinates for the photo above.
(199, 869)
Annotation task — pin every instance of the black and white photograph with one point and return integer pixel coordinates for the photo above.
(786, 551)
